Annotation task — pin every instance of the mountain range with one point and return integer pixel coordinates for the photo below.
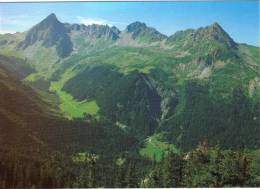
(135, 93)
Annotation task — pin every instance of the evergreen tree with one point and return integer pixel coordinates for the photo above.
(131, 179)
(173, 170)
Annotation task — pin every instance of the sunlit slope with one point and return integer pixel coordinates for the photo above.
(99, 75)
(190, 85)
(71, 107)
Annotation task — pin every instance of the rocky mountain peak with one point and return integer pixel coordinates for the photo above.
(216, 25)
(96, 31)
(135, 27)
(51, 18)
(217, 33)
(144, 33)
(50, 22)
(49, 32)
(205, 36)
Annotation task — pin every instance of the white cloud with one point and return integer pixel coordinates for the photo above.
(99, 21)
(90, 21)
(6, 31)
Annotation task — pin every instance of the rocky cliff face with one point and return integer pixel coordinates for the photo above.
(209, 34)
(49, 32)
(96, 31)
(140, 31)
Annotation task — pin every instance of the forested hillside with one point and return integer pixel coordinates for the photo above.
(93, 106)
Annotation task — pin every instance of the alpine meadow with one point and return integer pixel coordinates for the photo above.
(92, 105)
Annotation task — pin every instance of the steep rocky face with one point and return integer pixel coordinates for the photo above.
(96, 31)
(210, 43)
(144, 33)
(136, 28)
(50, 32)
(212, 33)
(216, 32)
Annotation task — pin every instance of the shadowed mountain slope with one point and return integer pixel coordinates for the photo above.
(144, 33)
(49, 32)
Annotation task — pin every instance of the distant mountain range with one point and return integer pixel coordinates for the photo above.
(193, 85)
(51, 32)
(93, 106)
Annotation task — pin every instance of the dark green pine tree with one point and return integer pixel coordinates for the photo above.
(217, 167)
(155, 180)
(119, 177)
(131, 179)
(244, 169)
(173, 169)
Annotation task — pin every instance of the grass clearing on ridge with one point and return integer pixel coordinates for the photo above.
(155, 147)
(73, 108)
(70, 106)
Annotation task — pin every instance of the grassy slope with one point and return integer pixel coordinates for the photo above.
(178, 69)
(43, 60)
(8, 44)
(68, 105)
(155, 147)
(73, 108)
(126, 59)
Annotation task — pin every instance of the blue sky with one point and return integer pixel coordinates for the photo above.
(239, 18)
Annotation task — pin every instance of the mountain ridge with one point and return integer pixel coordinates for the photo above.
(207, 54)
(120, 101)
(51, 31)
(141, 31)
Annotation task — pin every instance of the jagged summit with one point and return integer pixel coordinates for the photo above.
(142, 32)
(50, 18)
(218, 33)
(96, 31)
(50, 23)
(49, 32)
(216, 24)
(136, 26)
(204, 36)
